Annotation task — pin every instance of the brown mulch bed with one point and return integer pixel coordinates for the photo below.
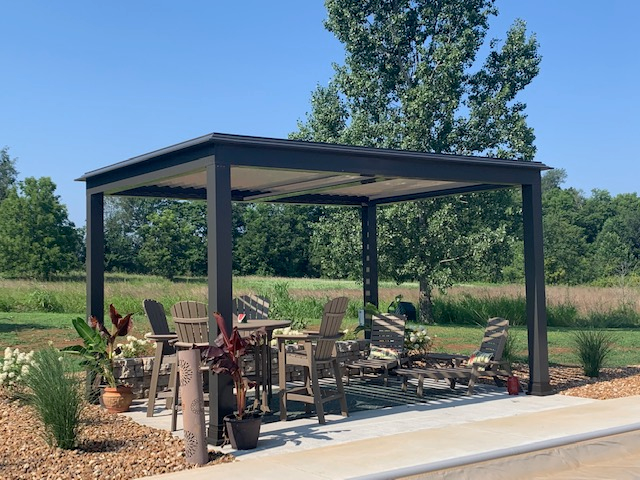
(115, 447)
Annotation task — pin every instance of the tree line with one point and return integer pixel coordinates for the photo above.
(474, 237)
(417, 75)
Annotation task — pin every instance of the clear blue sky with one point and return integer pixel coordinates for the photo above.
(87, 84)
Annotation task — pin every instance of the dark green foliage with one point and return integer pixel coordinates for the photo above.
(466, 309)
(36, 237)
(622, 317)
(174, 239)
(593, 348)
(275, 240)
(8, 173)
(412, 80)
(299, 311)
(54, 391)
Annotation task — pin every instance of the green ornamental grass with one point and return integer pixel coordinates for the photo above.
(593, 347)
(54, 391)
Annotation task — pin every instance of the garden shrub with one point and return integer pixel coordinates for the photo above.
(593, 347)
(54, 391)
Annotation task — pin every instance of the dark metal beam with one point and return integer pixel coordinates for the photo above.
(384, 163)
(535, 291)
(219, 252)
(369, 256)
(440, 193)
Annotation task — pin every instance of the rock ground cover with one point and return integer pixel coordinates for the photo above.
(114, 447)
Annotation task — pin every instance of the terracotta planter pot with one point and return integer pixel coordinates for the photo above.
(244, 433)
(117, 399)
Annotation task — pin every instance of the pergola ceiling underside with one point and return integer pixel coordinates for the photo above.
(252, 184)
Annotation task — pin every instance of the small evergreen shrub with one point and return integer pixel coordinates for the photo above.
(54, 391)
(593, 347)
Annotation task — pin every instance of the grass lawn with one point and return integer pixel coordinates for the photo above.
(29, 331)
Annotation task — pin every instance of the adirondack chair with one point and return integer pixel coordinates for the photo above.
(387, 347)
(492, 348)
(318, 353)
(189, 309)
(192, 326)
(165, 353)
(190, 331)
(254, 307)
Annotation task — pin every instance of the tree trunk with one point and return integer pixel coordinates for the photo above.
(425, 304)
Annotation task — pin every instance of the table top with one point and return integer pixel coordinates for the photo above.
(269, 325)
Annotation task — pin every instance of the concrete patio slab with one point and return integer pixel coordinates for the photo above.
(487, 430)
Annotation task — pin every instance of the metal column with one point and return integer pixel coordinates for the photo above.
(95, 255)
(221, 396)
(535, 290)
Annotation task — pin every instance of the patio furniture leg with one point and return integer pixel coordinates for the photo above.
(318, 400)
(420, 391)
(153, 388)
(405, 378)
(174, 407)
(340, 387)
(309, 388)
(282, 380)
(172, 384)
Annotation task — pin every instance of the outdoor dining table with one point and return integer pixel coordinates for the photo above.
(263, 354)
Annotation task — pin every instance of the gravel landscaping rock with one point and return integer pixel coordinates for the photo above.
(110, 447)
(115, 447)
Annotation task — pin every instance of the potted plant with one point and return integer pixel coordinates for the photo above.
(225, 357)
(98, 352)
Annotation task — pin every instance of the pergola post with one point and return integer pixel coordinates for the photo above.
(535, 291)
(95, 255)
(95, 271)
(219, 251)
(369, 256)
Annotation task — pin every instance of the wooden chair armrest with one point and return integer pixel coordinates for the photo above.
(282, 336)
(190, 345)
(161, 337)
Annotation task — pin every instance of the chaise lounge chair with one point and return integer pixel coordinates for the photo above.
(387, 347)
(487, 361)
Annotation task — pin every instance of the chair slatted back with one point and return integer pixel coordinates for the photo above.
(158, 320)
(495, 337)
(192, 330)
(387, 331)
(332, 317)
(254, 307)
(189, 309)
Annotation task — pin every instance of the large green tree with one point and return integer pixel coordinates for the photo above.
(36, 237)
(8, 172)
(412, 80)
(274, 240)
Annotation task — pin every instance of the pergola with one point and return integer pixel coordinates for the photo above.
(221, 169)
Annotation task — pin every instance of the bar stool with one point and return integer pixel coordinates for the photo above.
(165, 353)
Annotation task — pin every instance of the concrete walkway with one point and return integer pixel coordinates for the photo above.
(539, 437)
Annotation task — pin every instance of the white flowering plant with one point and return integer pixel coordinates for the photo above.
(135, 347)
(285, 331)
(15, 366)
(417, 340)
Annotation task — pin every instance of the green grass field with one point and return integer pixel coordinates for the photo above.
(33, 313)
(29, 331)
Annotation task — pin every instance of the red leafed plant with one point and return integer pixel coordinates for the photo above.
(224, 356)
(98, 350)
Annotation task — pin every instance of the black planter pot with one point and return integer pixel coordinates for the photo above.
(244, 433)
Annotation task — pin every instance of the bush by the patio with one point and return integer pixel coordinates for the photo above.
(593, 348)
(54, 391)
